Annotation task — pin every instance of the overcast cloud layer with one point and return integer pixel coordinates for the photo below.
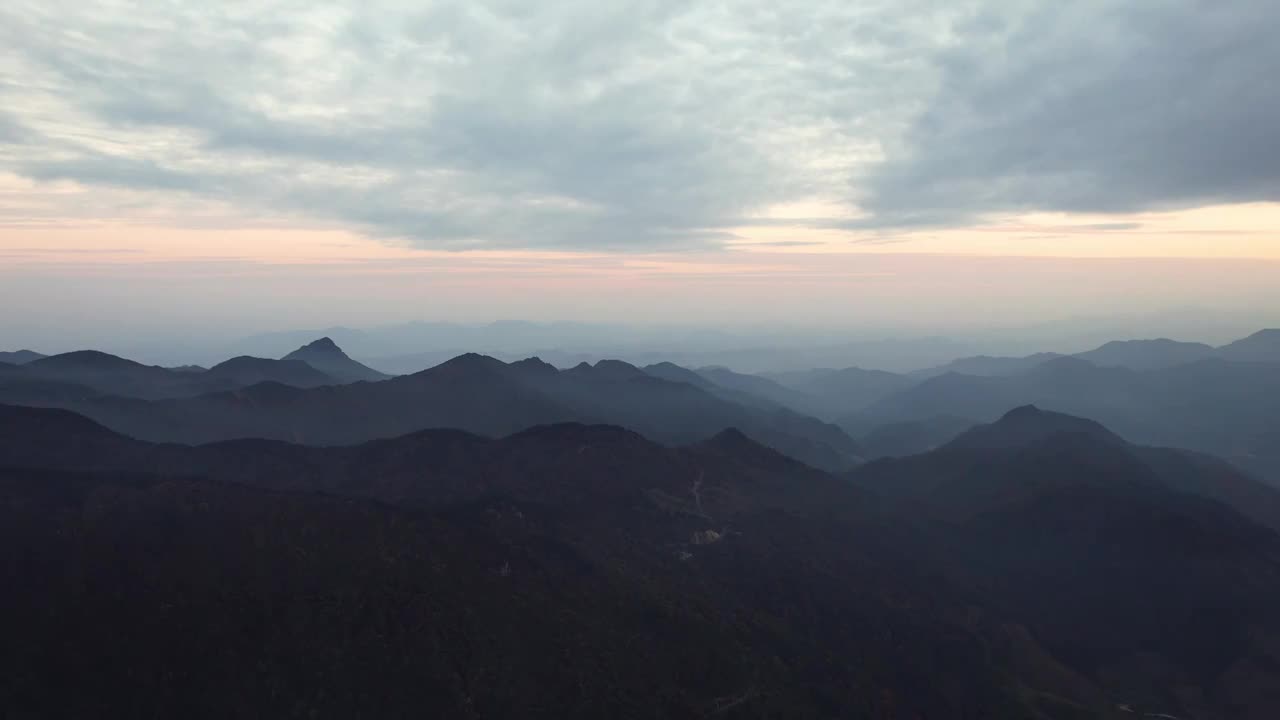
(641, 124)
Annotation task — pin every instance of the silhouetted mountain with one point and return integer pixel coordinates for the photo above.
(19, 357)
(112, 375)
(1122, 560)
(244, 371)
(606, 371)
(1262, 346)
(479, 394)
(89, 361)
(949, 394)
(61, 379)
(1041, 434)
(749, 390)
(1056, 579)
(1179, 470)
(679, 412)
(909, 437)
(1131, 354)
(411, 347)
(1213, 406)
(986, 365)
(760, 387)
(686, 572)
(836, 393)
(675, 373)
(19, 389)
(1147, 354)
(533, 368)
(1028, 426)
(325, 356)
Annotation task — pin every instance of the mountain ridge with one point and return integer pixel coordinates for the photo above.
(20, 357)
(585, 535)
(324, 355)
(477, 393)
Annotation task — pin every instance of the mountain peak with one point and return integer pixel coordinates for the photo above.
(675, 373)
(467, 362)
(85, 359)
(1022, 412)
(325, 343)
(736, 444)
(618, 369)
(1029, 425)
(608, 370)
(731, 437)
(1147, 354)
(1262, 346)
(325, 355)
(250, 370)
(533, 366)
(20, 357)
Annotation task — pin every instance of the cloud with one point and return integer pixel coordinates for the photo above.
(1091, 106)
(73, 251)
(641, 124)
(1109, 227)
(11, 130)
(780, 243)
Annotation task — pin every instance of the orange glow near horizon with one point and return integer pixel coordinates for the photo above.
(204, 261)
(41, 231)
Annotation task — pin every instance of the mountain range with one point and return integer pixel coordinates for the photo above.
(475, 393)
(1214, 406)
(1216, 400)
(1038, 567)
(87, 374)
(1190, 395)
(1129, 563)
(1262, 346)
(19, 357)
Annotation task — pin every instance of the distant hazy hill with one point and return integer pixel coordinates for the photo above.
(410, 347)
(761, 387)
(244, 371)
(1028, 426)
(1262, 346)
(20, 357)
(109, 374)
(840, 392)
(59, 379)
(985, 365)
(325, 356)
(1147, 354)
(479, 394)
(1216, 406)
(908, 437)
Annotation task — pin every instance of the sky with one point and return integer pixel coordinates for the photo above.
(231, 168)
